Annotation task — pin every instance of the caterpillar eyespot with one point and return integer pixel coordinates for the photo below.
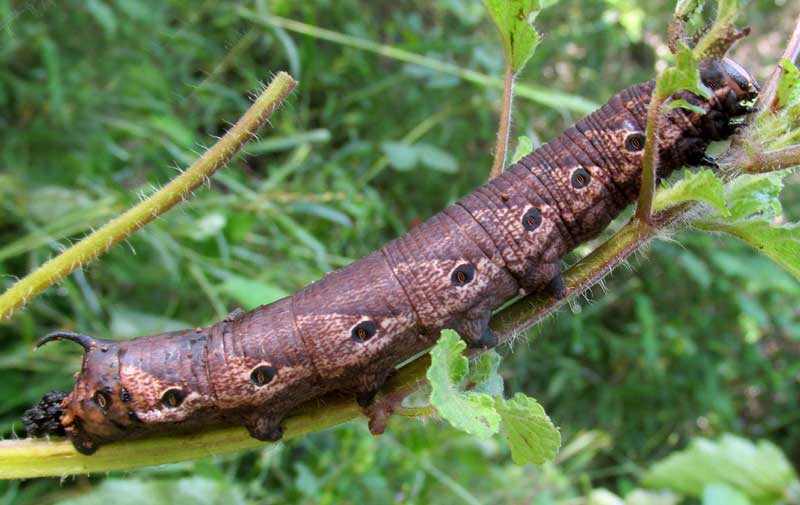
(532, 219)
(580, 178)
(262, 375)
(102, 399)
(634, 142)
(363, 331)
(403, 286)
(463, 275)
(172, 398)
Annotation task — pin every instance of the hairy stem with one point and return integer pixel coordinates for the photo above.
(771, 161)
(504, 128)
(164, 199)
(644, 206)
(766, 100)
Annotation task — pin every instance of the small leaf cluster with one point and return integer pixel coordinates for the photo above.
(471, 399)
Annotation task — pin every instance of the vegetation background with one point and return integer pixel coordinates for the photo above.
(102, 100)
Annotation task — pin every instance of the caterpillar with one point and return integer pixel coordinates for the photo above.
(347, 331)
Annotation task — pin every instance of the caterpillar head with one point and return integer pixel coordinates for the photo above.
(685, 134)
(727, 73)
(95, 411)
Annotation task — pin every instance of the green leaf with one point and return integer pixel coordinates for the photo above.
(531, 435)
(483, 374)
(524, 148)
(759, 471)
(402, 156)
(684, 75)
(436, 159)
(104, 16)
(514, 19)
(779, 242)
(468, 411)
(789, 84)
(686, 105)
(722, 494)
(754, 194)
(702, 186)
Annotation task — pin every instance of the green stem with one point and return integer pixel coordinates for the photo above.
(644, 207)
(504, 128)
(167, 197)
(543, 96)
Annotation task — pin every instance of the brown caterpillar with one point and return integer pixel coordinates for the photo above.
(347, 331)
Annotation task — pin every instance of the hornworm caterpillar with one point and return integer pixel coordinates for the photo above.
(347, 331)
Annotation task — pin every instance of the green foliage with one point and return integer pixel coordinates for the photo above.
(702, 186)
(524, 148)
(471, 399)
(789, 85)
(731, 468)
(780, 129)
(531, 435)
(514, 20)
(468, 411)
(684, 75)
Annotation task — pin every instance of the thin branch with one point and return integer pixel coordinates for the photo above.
(766, 100)
(644, 205)
(771, 161)
(167, 197)
(504, 129)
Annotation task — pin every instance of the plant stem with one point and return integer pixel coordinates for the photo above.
(504, 129)
(644, 206)
(771, 161)
(543, 96)
(766, 100)
(164, 199)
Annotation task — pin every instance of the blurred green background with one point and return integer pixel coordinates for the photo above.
(103, 100)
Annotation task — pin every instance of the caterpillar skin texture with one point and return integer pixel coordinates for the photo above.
(347, 331)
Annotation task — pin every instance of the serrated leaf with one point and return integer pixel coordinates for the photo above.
(760, 471)
(524, 148)
(789, 84)
(483, 374)
(718, 493)
(779, 242)
(684, 75)
(468, 411)
(754, 194)
(514, 21)
(531, 434)
(702, 186)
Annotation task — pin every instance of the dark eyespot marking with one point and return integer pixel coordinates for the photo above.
(463, 275)
(262, 375)
(580, 178)
(102, 400)
(363, 331)
(532, 219)
(634, 142)
(124, 395)
(172, 398)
